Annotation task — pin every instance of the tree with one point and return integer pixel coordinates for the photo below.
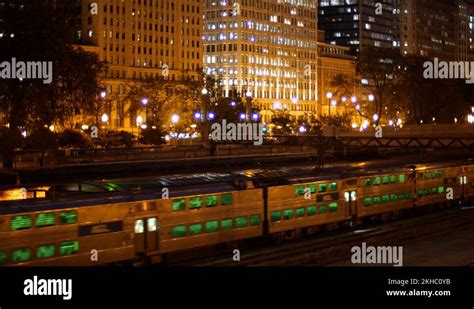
(36, 32)
(379, 66)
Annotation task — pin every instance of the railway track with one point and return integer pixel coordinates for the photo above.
(321, 250)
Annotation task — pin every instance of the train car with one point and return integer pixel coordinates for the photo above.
(305, 204)
(117, 229)
(385, 192)
(435, 182)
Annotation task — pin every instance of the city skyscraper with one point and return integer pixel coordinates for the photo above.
(359, 23)
(264, 49)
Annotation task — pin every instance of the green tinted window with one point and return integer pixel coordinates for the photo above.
(226, 224)
(227, 199)
(402, 196)
(276, 216)
(385, 180)
(427, 175)
(45, 252)
(195, 202)
(333, 207)
(211, 201)
(241, 222)
(212, 226)
(427, 192)
(385, 198)
(178, 231)
(299, 212)
(323, 209)
(3, 258)
(311, 211)
(367, 182)
(440, 190)
(393, 179)
(368, 201)
(195, 229)
(21, 255)
(421, 193)
(322, 187)
(410, 195)
(434, 190)
(312, 188)
(401, 178)
(255, 220)
(45, 220)
(376, 200)
(20, 223)
(178, 205)
(69, 247)
(333, 186)
(376, 181)
(299, 190)
(68, 217)
(288, 214)
(393, 197)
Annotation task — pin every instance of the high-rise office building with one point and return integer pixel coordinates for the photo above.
(359, 23)
(265, 49)
(138, 39)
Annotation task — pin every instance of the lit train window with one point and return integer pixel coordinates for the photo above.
(68, 217)
(401, 178)
(312, 188)
(367, 201)
(322, 209)
(385, 180)
(43, 220)
(393, 197)
(354, 195)
(195, 229)
(45, 252)
(311, 211)
(367, 182)
(276, 216)
(288, 214)
(211, 201)
(212, 226)
(226, 224)
(69, 248)
(195, 202)
(300, 212)
(178, 231)
(376, 181)
(333, 186)
(3, 258)
(333, 207)
(139, 226)
(241, 222)
(434, 190)
(322, 187)
(21, 255)
(385, 198)
(421, 193)
(151, 224)
(393, 179)
(227, 199)
(463, 180)
(347, 196)
(376, 200)
(178, 205)
(20, 223)
(299, 190)
(256, 220)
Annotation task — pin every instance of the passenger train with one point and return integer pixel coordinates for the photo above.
(141, 226)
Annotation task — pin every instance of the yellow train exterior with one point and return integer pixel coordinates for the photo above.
(148, 229)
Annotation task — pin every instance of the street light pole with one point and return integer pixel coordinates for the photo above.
(329, 96)
(248, 105)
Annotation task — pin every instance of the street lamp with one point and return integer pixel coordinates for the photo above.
(329, 96)
(174, 119)
(248, 107)
(145, 101)
(371, 97)
(105, 118)
(103, 94)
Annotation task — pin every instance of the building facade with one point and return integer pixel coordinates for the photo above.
(265, 49)
(138, 39)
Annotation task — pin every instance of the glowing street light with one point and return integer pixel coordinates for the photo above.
(211, 116)
(294, 100)
(344, 99)
(329, 95)
(105, 118)
(242, 116)
(197, 115)
(145, 101)
(255, 116)
(333, 102)
(354, 99)
(103, 94)
(139, 121)
(174, 119)
(302, 129)
(371, 97)
(375, 117)
(204, 91)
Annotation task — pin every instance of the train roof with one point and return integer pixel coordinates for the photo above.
(135, 189)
